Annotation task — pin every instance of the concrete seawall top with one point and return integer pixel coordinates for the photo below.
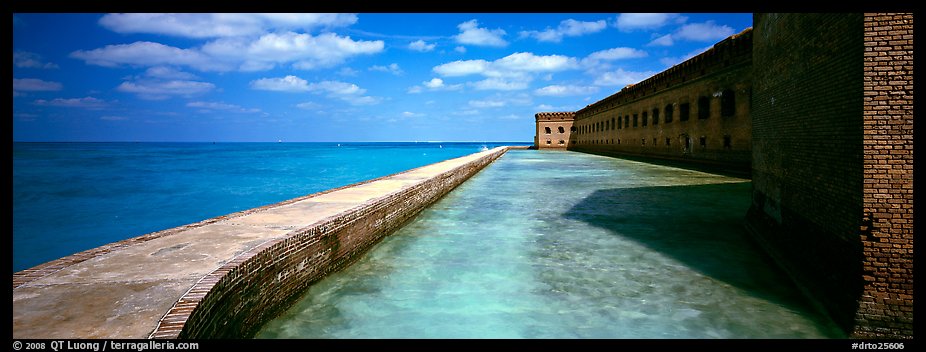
(124, 289)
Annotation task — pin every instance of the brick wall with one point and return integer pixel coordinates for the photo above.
(721, 78)
(886, 307)
(548, 135)
(819, 131)
(237, 299)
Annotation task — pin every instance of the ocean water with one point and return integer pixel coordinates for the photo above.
(552, 244)
(69, 197)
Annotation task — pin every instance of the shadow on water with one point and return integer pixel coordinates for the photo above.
(700, 226)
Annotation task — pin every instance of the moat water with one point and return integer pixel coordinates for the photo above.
(550, 244)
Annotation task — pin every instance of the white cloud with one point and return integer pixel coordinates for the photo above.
(495, 83)
(283, 84)
(393, 68)
(646, 21)
(148, 54)
(460, 49)
(35, 85)
(703, 32)
(621, 78)
(336, 88)
(349, 72)
(461, 68)
(348, 92)
(472, 34)
(164, 72)
(196, 25)
(566, 28)
(158, 90)
(672, 61)
(434, 83)
(305, 51)
(499, 101)
(665, 40)
(309, 105)
(517, 65)
(25, 59)
(421, 45)
(567, 90)
(85, 102)
(617, 54)
(510, 117)
(411, 114)
(594, 60)
(221, 106)
(698, 32)
(487, 103)
(113, 118)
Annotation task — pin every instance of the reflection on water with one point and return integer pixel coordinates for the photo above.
(565, 245)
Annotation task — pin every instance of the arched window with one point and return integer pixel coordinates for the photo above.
(669, 111)
(562, 130)
(547, 130)
(655, 117)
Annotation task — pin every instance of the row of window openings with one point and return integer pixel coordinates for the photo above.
(727, 109)
(727, 141)
(560, 128)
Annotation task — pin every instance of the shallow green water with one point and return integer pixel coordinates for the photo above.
(548, 244)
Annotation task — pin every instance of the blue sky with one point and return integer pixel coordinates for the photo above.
(332, 77)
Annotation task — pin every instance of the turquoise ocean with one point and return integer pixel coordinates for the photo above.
(70, 197)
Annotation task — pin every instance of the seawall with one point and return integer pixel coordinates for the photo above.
(226, 276)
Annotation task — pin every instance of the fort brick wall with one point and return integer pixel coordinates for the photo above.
(554, 129)
(829, 151)
(886, 305)
(238, 298)
(697, 111)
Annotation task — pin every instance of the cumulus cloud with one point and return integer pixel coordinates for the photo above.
(392, 68)
(283, 84)
(421, 45)
(196, 25)
(309, 105)
(25, 59)
(85, 102)
(207, 105)
(495, 83)
(500, 101)
(621, 53)
(566, 28)
(697, 32)
(472, 34)
(348, 92)
(164, 72)
(514, 65)
(703, 32)
(565, 90)
(433, 85)
(148, 54)
(665, 40)
(303, 51)
(34, 85)
(646, 21)
(163, 89)
(672, 61)
(621, 78)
